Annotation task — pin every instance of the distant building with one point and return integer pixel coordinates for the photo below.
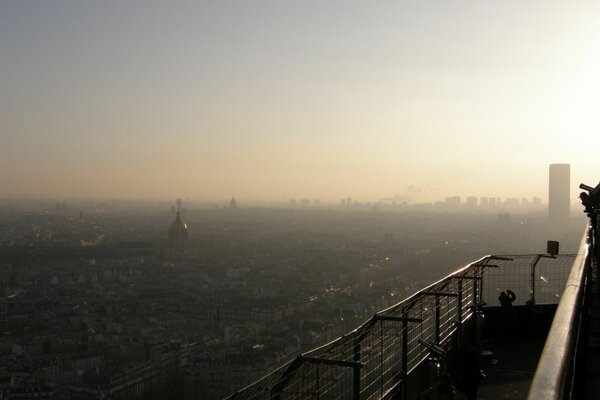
(292, 202)
(232, 203)
(483, 201)
(178, 233)
(512, 202)
(472, 201)
(453, 201)
(558, 193)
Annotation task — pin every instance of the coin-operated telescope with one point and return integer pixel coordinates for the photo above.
(590, 198)
(435, 350)
(591, 202)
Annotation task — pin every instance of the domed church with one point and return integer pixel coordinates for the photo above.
(178, 233)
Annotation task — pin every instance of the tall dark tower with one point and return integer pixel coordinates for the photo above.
(178, 233)
(559, 201)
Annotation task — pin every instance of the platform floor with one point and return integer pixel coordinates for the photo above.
(509, 369)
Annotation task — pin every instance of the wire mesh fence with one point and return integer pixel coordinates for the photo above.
(535, 279)
(376, 358)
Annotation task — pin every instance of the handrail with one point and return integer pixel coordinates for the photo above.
(553, 375)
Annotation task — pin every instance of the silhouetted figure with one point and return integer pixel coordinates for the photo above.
(509, 316)
(506, 298)
(470, 372)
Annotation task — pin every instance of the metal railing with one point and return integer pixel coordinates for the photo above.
(554, 375)
(375, 360)
(562, 369)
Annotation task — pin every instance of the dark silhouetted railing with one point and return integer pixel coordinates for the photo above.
(377, 359)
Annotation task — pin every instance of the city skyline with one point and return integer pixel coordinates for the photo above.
(272, 101)
(493, 204)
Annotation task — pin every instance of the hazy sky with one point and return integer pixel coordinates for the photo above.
(281, 99)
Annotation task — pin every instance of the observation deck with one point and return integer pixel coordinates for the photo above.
(406, 350)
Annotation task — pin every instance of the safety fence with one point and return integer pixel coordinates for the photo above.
(375, 360)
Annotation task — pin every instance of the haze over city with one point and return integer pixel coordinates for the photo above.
(273, 100)
(245, 200)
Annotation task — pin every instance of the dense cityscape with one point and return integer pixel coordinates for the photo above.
(268, 200)
(135, 300)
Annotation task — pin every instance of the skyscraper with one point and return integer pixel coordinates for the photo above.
(558, 194)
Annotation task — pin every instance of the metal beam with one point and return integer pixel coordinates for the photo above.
(405, 357)
(467, 277)
(396, 318)
(488, 265)
(329, 361)
(441, 294)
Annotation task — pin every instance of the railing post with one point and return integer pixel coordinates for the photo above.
(437, 319)
(356, 376)
(460, 299)
(381, 358)
(404, 357)
(437, 309)
(475, 291)
(356, 385)
(318, 384)
(476, 314)
(533, 265)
